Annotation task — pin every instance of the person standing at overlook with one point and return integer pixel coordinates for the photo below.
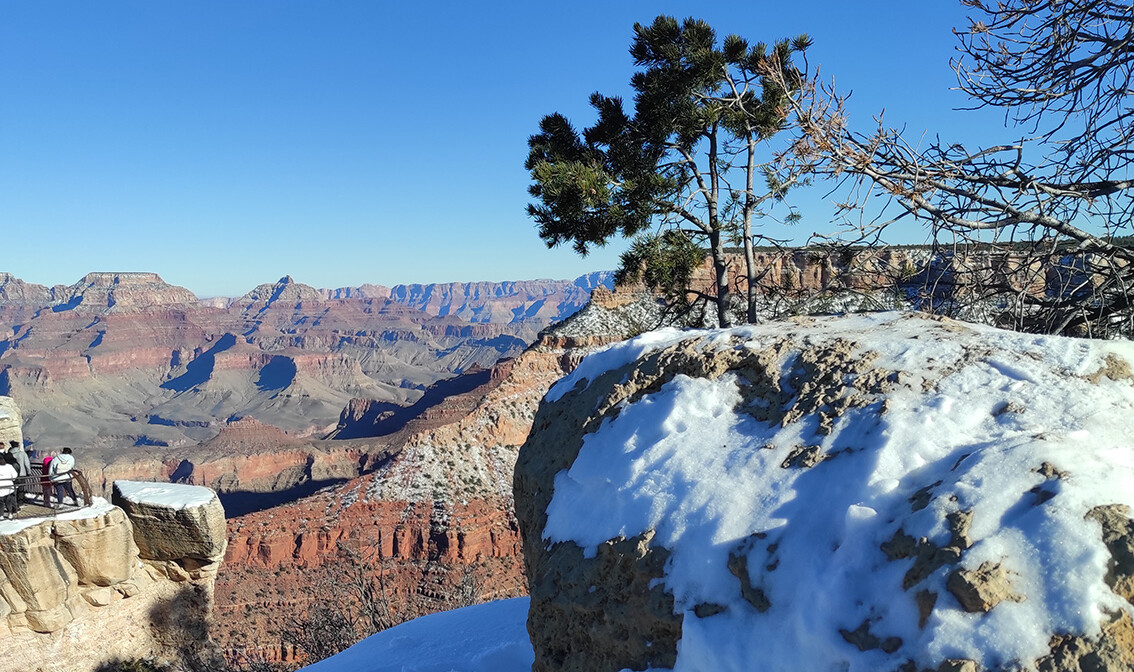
(45, 477)
(8, 475)
(23, 466)
(60, 469)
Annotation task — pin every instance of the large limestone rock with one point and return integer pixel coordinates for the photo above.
(68, 582)
(173, 521)
(884, 493)
(35, 568)
(100, 548)
(10, 422)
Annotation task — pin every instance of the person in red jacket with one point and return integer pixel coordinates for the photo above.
(45, 477)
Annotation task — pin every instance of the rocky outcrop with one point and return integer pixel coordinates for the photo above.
(77, 591)
(872, 493)
(15, 292)
(121, 291)
(11, 423)
(285, 290)
(173, 523)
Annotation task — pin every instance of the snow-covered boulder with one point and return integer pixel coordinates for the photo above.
(181, 524)
(862, 494)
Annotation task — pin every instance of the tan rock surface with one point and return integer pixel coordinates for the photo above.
(101, 548)
(36, 569)
(164, 532)
(76, 595)
(155, 622)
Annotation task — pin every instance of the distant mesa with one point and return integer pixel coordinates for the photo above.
(96, 291)
(364, 291)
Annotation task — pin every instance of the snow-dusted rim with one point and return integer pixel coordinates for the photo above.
(979, 411)
(98, 507)
(488, 637)
(169, 495)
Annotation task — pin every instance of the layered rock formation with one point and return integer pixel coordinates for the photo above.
(537, 300)
(135, 371)
(101, 584)
(435, 513)
(871, 493)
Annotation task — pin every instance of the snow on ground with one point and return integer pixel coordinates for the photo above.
(488, 637)
(994, 406)
(169, 495)
(98, 507)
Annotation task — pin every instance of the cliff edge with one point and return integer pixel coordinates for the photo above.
(111, 582)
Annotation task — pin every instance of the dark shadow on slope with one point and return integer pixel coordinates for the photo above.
(200, 369)
(277, 374)
(73, 303)
(182, 473)
(239, 503)
(531, 311)
(384, 418)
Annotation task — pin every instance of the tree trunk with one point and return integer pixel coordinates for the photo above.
(720, 266)
(746, 225)
(720, 269)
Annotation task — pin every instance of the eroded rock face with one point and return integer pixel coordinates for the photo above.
(101, 548)
(75, 594)
(193, 528)
(616, 604)
(436, 509)
(39, 575)
(10, 421)
(903, 486)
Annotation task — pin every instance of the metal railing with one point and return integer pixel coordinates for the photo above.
(34, 493)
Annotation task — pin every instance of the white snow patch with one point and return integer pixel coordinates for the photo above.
(681, 461)
(490, 637)
(615, 356)
(98, 507)
(169, 495)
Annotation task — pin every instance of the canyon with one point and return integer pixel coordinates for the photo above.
(434, 518)
(365, 429)
(332, 423)
(146, 380)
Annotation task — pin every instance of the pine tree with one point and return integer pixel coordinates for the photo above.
(681, 171)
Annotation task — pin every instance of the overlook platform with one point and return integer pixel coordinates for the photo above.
(33, 502)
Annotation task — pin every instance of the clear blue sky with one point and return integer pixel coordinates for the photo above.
(223, 144)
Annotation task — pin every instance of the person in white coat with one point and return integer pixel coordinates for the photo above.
(61, 476)
(8, 474)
